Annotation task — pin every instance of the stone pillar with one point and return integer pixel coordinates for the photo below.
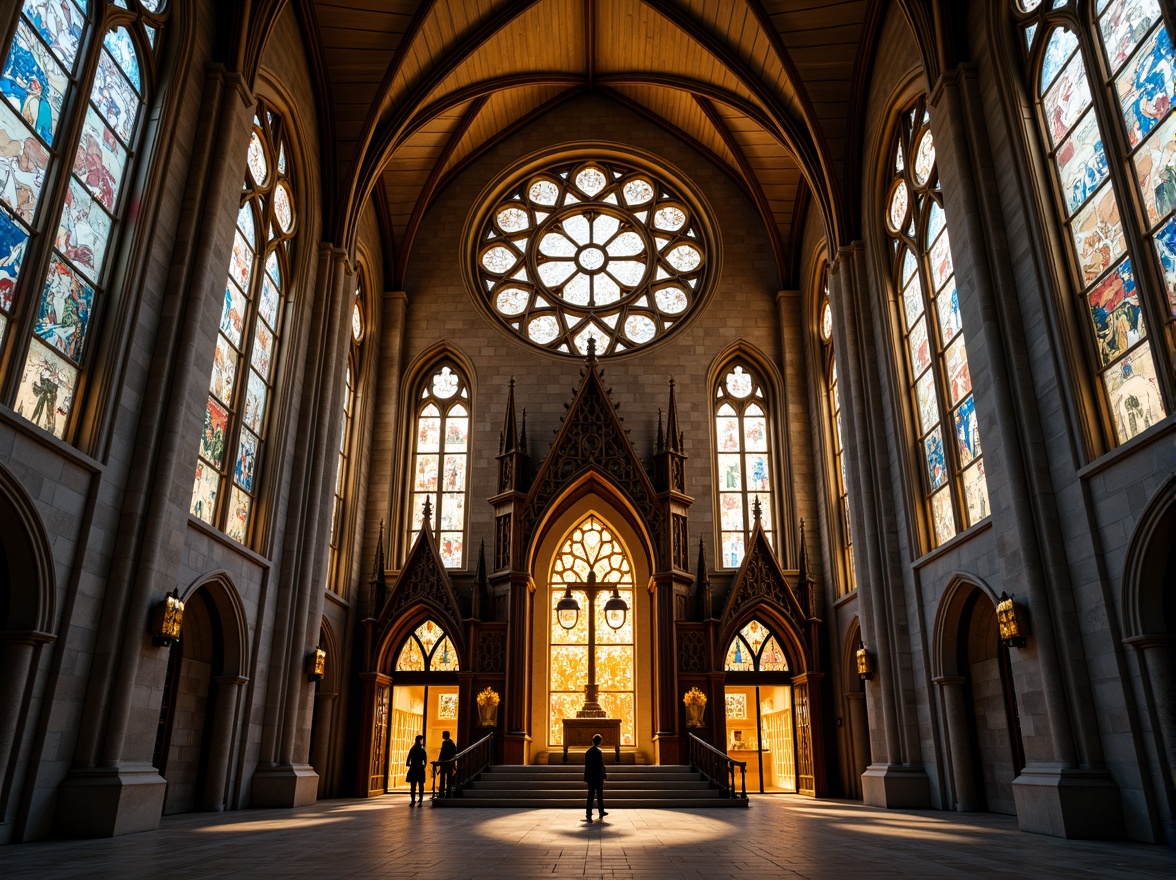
(17, 653)
(1065, 789)
(968, 797)
(1156, 664)
(322, 735)
(220, 746)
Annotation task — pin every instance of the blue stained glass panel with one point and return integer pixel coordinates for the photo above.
(1147, 87)
(270, 297)
(936, 460)
(34, 83)
(1165, 242)
(114, 98)
(1155, 169)
(13, 240)
(1082, 163)
(246, 462)
(64, 313)
(84, 231)
(60, 24)
(100, 161)
(255, 400)
(1062, 42)
(1124, 25)
(948, 306)
(967, 431)
(1116, 313)
(119, 44)
(22, 165)
(233, 314)
(1067, 99)
(1098, 234)
(936, 220)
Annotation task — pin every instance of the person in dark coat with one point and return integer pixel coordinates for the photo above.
(448, 753)
(417, 759)
(594, 775)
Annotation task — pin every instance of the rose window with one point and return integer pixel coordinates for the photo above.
(591, 250)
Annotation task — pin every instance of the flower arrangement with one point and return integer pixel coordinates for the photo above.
(488, 697)
(694, 697)
(488, 707)
(695, 701)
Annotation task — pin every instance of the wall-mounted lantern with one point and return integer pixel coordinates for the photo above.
(168, 619)
(316, 664)
(865, 663)
(1010, 627)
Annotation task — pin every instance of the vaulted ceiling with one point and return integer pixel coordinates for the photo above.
(412, 91)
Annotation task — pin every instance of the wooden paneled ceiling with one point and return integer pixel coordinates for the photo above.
(414, 90)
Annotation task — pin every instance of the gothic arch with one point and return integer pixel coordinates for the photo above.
(850, 680)
(791, 641)
(406, 624)
(945, 634)
(328, 642)
(221, 590)
(29, 597)
(1149, 557)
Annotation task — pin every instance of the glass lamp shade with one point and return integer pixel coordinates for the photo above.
(865, 666)
(615, 611)
(1010, 626)
(567, 610)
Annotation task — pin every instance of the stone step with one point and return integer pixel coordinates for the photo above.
(569, 803)
(547, 794)
(578, 778)
(493, 783)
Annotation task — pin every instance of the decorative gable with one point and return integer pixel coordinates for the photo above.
(423, 580)
(593, 438)
(760, 579)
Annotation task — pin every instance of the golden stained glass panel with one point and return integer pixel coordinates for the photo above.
(411, 659)
(428, 632)
(444, 657)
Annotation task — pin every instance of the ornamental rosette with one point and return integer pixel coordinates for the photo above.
(594, 248)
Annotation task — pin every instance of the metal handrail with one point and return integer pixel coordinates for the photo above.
(466, 764)
(718, 767)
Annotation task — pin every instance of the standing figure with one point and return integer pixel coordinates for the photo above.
(594, 775)
(447, 766)
(417, 759)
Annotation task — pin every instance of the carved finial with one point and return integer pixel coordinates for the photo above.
(702, 585)
(510, 437)
(673, 432)
(661, 440)
(757, 510)
(427, 514)
(480, 583)
(377, 585)
(378, 561)
(591, 349)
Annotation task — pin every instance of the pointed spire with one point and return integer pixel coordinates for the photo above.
(481, 583)
(757, 510)
(702, 585)
(673, 433)
(806, 586)
(802, 572)
(661, 437)
(591, 350)
(508, 441)
(523, 434)
(427, 514)
(378, 585)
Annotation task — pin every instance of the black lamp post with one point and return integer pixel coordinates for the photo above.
(567, 612)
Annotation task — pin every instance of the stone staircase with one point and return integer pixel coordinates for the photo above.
(561, 786)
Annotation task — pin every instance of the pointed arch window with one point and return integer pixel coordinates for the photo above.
(358, 327)
(74, 83)
(427, 649)
(833, 399)
(440, 471)
(935, 352)
(245, 362)
(1104, 85)
(743, 460)
(755, 649)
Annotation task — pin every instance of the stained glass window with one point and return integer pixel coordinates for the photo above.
(592, 249)
(57, 73)
(338, 581)
(755, 649)
(427, 649)
(849, 582)
(1122, 244)
(591, 546)
(743, 464)
(245, 360)
(440, 456)
(935, 353)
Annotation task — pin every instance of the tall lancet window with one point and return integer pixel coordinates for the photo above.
(1104, 84)
(338, 581)
(75, 80)
(936, 355)
(440, 460)
(245, 362)
(847, 583)
(743, 462)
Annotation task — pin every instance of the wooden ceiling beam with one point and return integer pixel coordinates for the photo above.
(758, 197)
(430, 188)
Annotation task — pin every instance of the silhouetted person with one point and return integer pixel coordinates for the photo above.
(447, 767)
(417, 759)
(594, 775)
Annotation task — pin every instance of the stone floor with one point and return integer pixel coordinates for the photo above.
(781, 836)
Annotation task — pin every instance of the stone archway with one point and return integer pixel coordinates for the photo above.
(326, 693)
(972, 669)
(857, 715)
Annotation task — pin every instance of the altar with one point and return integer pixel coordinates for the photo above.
(579, 732)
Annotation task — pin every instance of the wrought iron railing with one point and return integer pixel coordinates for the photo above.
(465, 765)
(718, 768)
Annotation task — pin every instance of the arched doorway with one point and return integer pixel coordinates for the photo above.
(424, 696)
(856, 713)
(761, 716)
(198, 710)
(326, 692)
(979, 702)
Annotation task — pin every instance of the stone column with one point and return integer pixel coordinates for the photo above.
(17, 653)
(968, 798)
(220, 746)
(1156, 664)
(320, 741)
